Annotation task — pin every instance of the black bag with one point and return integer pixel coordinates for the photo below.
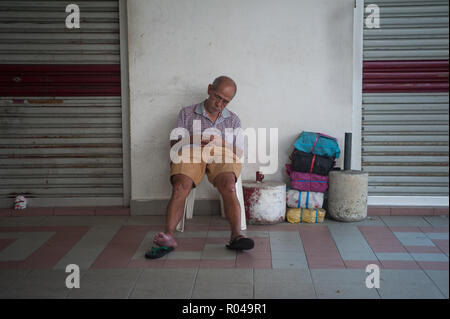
(311, 163)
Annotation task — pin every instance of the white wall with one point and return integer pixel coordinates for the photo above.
(291, 60)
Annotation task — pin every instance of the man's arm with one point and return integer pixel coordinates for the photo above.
(181, 124)
(221, 142)
(191, 141)
(217, 141)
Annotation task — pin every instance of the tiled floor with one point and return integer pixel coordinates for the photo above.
(325, 260)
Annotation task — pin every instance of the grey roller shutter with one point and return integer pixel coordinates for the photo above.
(405, 99)
(405, 143)
(34, 31)
(409, 30)
(60, 104)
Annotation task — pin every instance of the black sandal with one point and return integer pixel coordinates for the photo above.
(241, 243)
(158, 252)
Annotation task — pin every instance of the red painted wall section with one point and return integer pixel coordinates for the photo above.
(405, 76)
(59, 80)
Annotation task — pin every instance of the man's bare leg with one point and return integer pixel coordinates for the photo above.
(226, 184)
(182, 185)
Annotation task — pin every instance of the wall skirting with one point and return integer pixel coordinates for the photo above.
(406, 211)
(201, 207)
(212, 207)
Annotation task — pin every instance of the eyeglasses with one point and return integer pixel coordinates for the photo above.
(221, 99)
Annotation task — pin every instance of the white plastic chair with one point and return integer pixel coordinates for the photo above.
(189, 206)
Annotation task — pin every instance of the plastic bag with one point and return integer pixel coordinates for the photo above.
(305, 215)
(20, 202)
(297, 199)
(306, 181)
(311, 163)
(318, 143)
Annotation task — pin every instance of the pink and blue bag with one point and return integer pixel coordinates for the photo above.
(318, 143)
(306, 181)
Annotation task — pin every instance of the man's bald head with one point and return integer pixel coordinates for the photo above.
(224, 81)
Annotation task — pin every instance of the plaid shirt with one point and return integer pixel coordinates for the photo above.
(227, 119)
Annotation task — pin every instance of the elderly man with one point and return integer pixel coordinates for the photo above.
(223, 173)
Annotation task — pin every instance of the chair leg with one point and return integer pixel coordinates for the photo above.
(190, 204)
(180, 226)
(222, 207)
(188, 210)
(240, 197)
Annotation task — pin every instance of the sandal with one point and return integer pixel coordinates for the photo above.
(158, 252)
(241, 243)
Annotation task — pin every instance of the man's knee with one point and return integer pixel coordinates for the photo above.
(226, 183)
(182, 185)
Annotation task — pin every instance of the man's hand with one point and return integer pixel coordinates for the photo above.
(193, 140)
(217, 141)
(206, 141)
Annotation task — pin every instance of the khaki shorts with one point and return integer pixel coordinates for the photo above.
(192, 163)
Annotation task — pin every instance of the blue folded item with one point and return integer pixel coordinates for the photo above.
(317, 143)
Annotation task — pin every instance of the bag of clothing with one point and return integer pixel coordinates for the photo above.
(306, 181)
(318, 143)
(305, 215)
(311, 163)
(297, 199)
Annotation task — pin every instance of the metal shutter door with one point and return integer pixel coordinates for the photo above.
(60, 104)
(405, 99)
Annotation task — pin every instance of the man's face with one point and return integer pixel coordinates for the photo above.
(220, 97)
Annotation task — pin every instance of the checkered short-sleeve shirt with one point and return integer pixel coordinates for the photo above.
(227, 125)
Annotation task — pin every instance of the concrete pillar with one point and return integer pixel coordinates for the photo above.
(347, 195)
